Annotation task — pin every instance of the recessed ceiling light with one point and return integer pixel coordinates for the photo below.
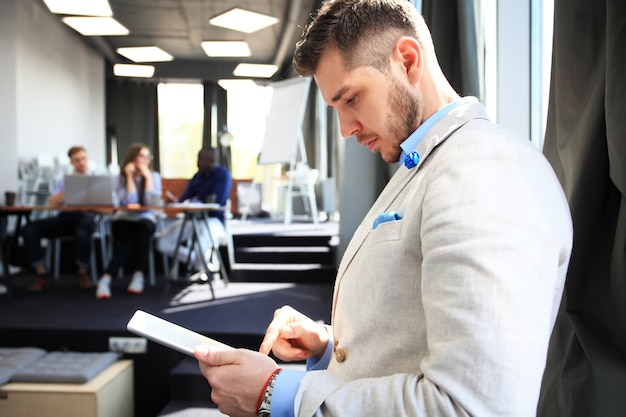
(230, 84)
(80, 7)
(145, 54)
(96, 26)
(243, 20)
(255, 70)
(226, 48)
(130, 70)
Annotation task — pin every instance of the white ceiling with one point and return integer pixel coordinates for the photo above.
(179, 26)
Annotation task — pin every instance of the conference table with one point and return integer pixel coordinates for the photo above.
(193, 213)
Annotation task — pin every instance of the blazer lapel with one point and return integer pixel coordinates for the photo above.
(399, 181)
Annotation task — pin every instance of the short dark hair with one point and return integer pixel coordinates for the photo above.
(364, 31)
(74, 150)
(209, 150)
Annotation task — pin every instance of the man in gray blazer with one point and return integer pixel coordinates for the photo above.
(447, 294)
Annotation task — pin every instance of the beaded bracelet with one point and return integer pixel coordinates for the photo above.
(263, 405)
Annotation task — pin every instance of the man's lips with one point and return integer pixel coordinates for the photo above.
(370, 143)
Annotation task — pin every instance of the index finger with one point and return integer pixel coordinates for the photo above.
(273, 331)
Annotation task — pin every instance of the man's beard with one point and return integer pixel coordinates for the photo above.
(402, 119)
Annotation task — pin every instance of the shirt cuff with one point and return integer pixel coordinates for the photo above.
(317, 363)
(285, 389)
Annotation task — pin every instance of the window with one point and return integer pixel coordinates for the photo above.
(518, 46)
(181, 121)
(248, 105)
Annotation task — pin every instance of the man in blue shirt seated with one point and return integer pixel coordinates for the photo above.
(211, 184)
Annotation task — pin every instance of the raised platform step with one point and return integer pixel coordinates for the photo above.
(286, 254)
(301, 273)
(275, 252)
(273, 239)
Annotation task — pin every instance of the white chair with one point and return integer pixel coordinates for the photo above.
(302, 182)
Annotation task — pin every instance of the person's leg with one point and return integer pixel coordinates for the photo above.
(32, 233)
(144, 230)
(83, 231)
(3, 226)
(123, 242)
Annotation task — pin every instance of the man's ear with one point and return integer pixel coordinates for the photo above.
(409, 52)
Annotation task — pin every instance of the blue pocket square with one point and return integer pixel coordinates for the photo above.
(387, 216)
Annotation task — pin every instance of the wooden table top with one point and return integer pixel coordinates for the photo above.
(169, 209)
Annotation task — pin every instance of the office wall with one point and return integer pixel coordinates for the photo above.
(8, 127)
(53, 89)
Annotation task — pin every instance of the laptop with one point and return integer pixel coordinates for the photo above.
(88, 190)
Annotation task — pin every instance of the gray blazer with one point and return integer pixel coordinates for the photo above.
(448, 310)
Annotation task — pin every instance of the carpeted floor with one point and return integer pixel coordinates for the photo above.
(239, 308)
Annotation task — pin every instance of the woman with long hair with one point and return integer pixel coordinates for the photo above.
(132, 230)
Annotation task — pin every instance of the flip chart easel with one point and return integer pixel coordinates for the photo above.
(283, 141)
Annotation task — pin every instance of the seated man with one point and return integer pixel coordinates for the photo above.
(66, 223)
(212, 184)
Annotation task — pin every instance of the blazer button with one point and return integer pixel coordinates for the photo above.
(340, 355)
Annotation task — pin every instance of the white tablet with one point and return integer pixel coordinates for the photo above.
(168, 333)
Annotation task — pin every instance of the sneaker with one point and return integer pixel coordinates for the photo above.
(104, 289)
(136, 284)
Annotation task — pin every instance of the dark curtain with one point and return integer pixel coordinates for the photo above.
(215, 120)
(132, 116)
(453, 25)
(586, 143)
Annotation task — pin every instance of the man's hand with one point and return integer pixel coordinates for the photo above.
(56, 200)
(237, 378)
(292, 336)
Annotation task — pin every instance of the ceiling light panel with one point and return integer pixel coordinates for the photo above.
(243, 20)
(255, 70)
(80, 7)
(145, 54)
(96, 26)
(129, 70)
(229, 84)
(226, 48)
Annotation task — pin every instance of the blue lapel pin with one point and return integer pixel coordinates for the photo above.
(411, 159)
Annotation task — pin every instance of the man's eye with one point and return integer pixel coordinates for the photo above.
(351, 100)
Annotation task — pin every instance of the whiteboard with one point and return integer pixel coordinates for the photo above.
(283, 128)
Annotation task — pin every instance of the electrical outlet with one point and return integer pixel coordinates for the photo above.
(128, 344)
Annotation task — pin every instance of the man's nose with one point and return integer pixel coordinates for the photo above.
(348, 126)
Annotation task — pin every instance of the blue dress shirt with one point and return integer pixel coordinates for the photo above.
(416, 137)
(217, 182)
